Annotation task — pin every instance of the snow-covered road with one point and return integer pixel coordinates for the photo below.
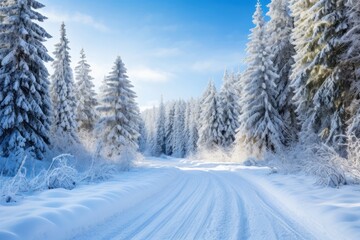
(201, 202)
(163, 199)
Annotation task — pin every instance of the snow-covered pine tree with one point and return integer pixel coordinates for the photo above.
(320, 79)
(262, 125)
(3, 47)
(143, 135)
(63, 92)
(193, 135)
(229, 101)
(148, 117)
(25, 104)
(352, 58)
(160, 130)
(203, 97)
(179, 133)
(187, 125)
(211, 125)
(151, 131)
(237, 82)
(279, 30)
(87, 102)
(118, 128)
(169, 128)
(302, 32)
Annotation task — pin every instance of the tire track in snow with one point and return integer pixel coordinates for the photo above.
(202, 203)
(275, 224)
(231, 220)
(158, 225)
(133, 216)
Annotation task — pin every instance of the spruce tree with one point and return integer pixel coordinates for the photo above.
(169, 128)
(352, 59)
(63, 92)
(143, 135)
(25, 104)
(279, 30)
(160, 130)
(193, 119)
(87, 102)
(262, 125)
(211, 125)
(179, 127)
(118, 128)
(320, 79)
(229, 102)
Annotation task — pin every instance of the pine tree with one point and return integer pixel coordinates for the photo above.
(229, 102)
(143, 135)
(169, 128)
(193, 135)
(160, 130)
(320, 78)
(25, 103)
(63, 92)
(187, 125)
(279, 29)
(148, 117)
(352, 58)
(211, 126)
(203, 97)
(86, 108)
(179, 133)
(118, 128)
(262, 124)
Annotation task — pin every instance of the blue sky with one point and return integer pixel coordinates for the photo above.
(170, 47)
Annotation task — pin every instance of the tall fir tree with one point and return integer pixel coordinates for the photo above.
(143, 135)
(63, 92)
(87, 102)
(279, 30)
(118, 128)
(25, 104)
(262, 125)
(160, 130)
(352, 58)
(229, 102)
(169, 128)
(320, 79)
(187, 125)
(179, 133)
(193, 135)
(148, 116)
(211, 125)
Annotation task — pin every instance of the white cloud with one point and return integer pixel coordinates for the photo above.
(146, 74)
(77, 17)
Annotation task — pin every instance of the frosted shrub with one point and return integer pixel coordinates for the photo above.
(99, 171)
(326, 166)
(352, 165)
(11, 187)
(316, 159)
(60, 174)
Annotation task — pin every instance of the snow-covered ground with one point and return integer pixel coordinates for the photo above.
(182, 199)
